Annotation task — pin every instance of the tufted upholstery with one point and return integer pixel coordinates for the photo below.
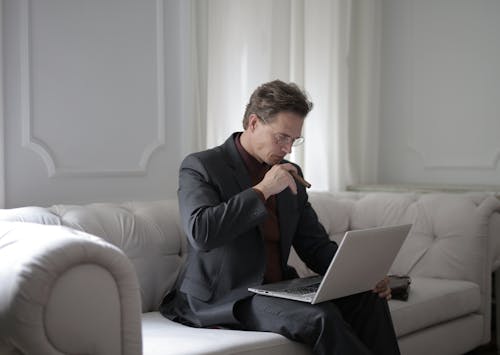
(430, 249)
(147, 232)
(449, 253)
(448, 237)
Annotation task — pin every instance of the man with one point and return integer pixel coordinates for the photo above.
(242, 211)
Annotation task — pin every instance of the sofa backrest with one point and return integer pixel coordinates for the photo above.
(448, 240)
(147, 232)
(449, 237)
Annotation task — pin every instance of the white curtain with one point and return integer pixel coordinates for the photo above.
(2, 136)
(328, 47)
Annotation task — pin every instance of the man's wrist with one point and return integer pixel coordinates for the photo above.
(262, 194)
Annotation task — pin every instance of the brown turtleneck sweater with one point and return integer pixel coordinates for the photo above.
(270, 227)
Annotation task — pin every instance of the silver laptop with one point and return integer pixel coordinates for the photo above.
(363, 259)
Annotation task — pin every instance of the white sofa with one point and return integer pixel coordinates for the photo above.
(65, 291)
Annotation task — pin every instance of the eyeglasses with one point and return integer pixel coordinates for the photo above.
(284, 139)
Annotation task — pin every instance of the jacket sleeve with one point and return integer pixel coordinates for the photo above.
(207, 219)
(311, 241)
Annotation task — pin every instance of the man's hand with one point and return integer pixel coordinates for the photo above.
(277, 179)
(383, 289)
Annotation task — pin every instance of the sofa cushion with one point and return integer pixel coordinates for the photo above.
(433, 301)
(457, 235)
(31, 214)
(161, 336)
(334, 213)
(449, 234)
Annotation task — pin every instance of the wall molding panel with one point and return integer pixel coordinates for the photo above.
(440, 93)
(43, 149)
(440, 129)
(430, 162)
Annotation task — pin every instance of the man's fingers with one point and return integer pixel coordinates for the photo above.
(277, 179)
(383, 289)
(293, 185)
(289, 167)
(383, 284)
(385, 294)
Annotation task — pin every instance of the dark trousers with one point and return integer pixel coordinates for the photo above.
(358, 324)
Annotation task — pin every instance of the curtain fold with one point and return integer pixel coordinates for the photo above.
(364, 91)
(2, 128)
(326, 79)
(328, 47)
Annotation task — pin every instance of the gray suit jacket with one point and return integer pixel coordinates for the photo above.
(220, 214)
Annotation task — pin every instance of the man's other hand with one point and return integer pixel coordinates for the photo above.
(277, 179)
(383, 289)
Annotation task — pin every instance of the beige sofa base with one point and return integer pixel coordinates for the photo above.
(436, 340)
(160, 334)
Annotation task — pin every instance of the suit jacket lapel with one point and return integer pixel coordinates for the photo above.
(287, 214)
(240, 172)
(236, 163)
(286, 201)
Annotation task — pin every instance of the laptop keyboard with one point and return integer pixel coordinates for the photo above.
(303, 290)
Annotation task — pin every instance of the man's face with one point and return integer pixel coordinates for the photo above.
(273, 140)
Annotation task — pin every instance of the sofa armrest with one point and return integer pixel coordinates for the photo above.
(66, 292)
(495, 240)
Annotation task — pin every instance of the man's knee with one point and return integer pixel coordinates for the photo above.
(327, 314)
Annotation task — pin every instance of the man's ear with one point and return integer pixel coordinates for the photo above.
(253, 119)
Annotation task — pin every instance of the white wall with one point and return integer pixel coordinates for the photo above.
(2, 145)
(92, 92)
(97, 95)
(440, 92)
